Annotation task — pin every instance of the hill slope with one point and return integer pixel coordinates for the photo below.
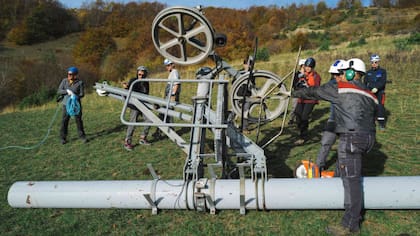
(396, 153)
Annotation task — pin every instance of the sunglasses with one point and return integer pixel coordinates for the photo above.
(71, 74)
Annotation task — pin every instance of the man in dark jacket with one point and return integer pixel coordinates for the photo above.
(375, 81)
(355, 112)
(71, 88)
(140, 87)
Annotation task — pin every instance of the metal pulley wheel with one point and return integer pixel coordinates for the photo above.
(183, 35)
(264, 102)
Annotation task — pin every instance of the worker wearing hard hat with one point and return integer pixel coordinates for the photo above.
(355, 110)
(375, 81)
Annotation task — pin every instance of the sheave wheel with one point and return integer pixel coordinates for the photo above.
(183, 35)
(266, 86)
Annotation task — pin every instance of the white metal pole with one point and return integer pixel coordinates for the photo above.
(379, 193)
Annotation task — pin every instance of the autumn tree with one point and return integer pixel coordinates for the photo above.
(381, 3)
(48, 20)
(407, 3)
(93, 46)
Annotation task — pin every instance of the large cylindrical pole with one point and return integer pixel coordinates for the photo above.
(379, 193)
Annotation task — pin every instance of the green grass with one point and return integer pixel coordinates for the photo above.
(104, 158)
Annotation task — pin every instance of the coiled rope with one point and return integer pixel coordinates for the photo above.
(73, 106)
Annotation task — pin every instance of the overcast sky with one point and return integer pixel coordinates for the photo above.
(239, 4)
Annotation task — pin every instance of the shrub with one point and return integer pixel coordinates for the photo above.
(359, 42)
(38, 98)
(325, 45)
(263, 54)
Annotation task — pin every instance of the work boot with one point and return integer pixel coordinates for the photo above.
(339, 230)
(128, 146)
(84, 139)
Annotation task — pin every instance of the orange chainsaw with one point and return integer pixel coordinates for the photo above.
(308, 170)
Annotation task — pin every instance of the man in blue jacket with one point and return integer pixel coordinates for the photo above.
(375, 81)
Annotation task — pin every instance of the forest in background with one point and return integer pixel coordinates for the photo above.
(106, 40)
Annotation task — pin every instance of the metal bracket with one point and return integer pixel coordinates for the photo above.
(212, 185)
(242, 190)
(152, 203)
(200, 197)
(151, 198)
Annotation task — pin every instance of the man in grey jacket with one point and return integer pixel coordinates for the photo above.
(70, 87)
(355, 112)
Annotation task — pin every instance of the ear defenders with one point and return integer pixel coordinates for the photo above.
(350, 74)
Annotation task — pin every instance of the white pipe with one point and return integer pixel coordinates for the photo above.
(379, 193)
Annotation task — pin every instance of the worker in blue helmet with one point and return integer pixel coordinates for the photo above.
(72, 90)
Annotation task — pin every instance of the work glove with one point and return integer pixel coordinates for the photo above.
(374, 90)
(69, 92)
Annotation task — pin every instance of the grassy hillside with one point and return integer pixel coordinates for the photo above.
(103, 158)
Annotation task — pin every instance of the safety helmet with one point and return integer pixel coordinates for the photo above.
(343, 65)
(310, 62)
(357, 65)
(73, 70)
(144, 69)
(334, 68)
(302, 62)
(374, 57)
(167, 62)
(203, 71)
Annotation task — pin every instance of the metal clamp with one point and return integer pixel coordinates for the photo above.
(151, 197)
(241, 190)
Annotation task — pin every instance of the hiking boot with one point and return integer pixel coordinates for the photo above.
(339, 230)
(84, 139)
(63, 141)
(143, 141)
(128, 146)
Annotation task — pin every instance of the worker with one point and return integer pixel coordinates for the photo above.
(305, 107)
(140, 87)
(72, 89)
(375, 81)
(297, 83)
(328, 135)
(356, 109)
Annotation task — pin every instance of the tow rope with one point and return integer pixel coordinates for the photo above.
(43, 139)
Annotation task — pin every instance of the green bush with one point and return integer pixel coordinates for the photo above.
(359, 42)
(38, 98)
(263, 54)
(325, 45)
(404, 44)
